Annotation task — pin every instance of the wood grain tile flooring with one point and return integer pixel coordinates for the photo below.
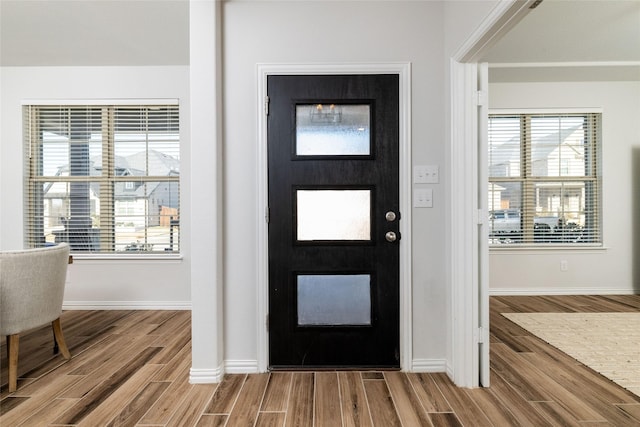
(608, 343)
(131, 368)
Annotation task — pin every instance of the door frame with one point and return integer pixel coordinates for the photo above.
(403, 70)
(469, 257)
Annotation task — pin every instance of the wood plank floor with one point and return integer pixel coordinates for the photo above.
(130, 368)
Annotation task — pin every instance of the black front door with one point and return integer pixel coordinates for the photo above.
(333, 221)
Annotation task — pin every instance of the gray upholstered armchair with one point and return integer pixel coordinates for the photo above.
(31, 291)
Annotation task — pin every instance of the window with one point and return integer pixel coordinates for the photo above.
(104, 178)
(544, 179)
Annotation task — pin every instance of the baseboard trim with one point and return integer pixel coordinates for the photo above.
(429, 365)
(241, 366)
(126, 305)
(449, 370)
(561, 291)
(206, 376)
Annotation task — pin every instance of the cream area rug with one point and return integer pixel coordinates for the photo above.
(608, 343)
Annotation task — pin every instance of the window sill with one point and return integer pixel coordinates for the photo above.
(538, 249)
(127, 258)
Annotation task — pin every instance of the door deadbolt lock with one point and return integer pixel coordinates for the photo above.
(390, 216)
(391, 236)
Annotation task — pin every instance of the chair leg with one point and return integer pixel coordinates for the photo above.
(59, 338)
(13, 343)
(56, 349)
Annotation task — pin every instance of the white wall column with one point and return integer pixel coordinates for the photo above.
(464, 358)
(206, 252)
(468, 258)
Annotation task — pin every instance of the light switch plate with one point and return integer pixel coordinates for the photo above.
(423, 198)
(426, 174)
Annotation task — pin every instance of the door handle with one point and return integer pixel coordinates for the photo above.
(391, 236)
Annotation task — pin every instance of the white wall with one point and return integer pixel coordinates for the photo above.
(462, 18)
(607, 270)
(330, 32)
(101, 283)
(423, 33)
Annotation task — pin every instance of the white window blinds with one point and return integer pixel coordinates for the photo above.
(104, 178)
(544, 179)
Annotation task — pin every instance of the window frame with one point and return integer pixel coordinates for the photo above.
(526, 177)
(31, 141)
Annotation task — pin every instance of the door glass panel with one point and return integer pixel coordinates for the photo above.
(334, 300)
(332, 130)
(333, 215)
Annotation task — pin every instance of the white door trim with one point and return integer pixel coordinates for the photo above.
(403, 70)
(482, 201)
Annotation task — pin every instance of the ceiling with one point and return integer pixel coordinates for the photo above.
(589, 39)
(565, 40)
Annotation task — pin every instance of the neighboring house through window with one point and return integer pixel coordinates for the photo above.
(104, 178)
(544, 179)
